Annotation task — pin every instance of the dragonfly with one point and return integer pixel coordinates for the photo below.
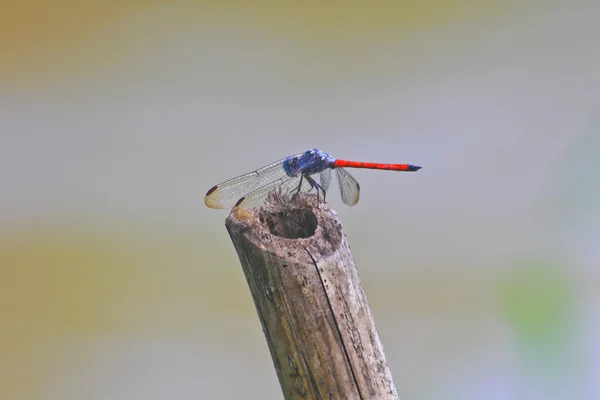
(303, 172)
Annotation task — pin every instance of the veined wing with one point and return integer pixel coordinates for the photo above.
(227, 194)
(349, 188)
(325, 179)
(288, 185)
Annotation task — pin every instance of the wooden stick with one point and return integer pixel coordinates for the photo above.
(310, 301)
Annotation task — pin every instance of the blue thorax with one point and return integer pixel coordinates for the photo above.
(307, 163)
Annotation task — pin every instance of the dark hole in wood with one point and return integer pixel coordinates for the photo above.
(291, 224)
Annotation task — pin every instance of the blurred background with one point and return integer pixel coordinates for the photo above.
(482, 269)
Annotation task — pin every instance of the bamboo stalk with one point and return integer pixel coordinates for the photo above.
(311, 304)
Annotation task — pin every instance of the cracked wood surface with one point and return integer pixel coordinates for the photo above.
(311, 304)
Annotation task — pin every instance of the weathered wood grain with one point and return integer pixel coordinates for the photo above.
(311, 304)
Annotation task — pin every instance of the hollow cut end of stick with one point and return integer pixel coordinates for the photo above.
(285, 225)
(295, 223)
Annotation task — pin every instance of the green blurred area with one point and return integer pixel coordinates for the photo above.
(538, 300)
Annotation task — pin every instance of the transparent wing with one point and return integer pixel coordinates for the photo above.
(325, 178)
(349, 188)
(227, 194)
(288, 185)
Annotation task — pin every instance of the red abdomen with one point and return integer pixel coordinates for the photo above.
(388, 167)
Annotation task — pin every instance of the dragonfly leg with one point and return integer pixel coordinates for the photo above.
(297, 189)
(316, 186)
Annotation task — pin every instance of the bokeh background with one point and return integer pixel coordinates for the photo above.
(482, 269)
